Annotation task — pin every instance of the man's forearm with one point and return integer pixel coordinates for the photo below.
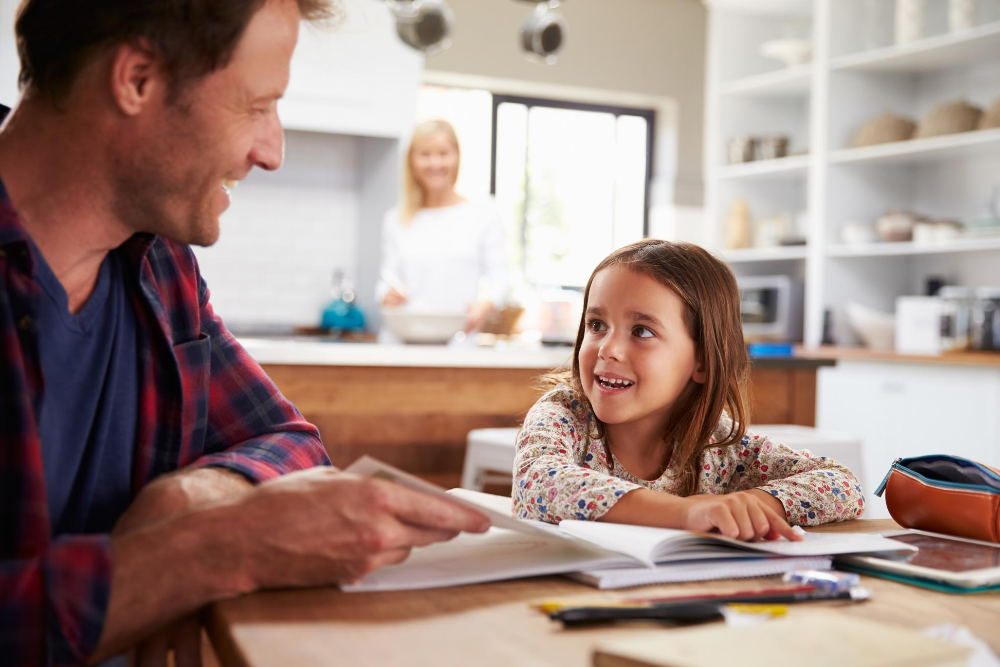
(170, 568)
(179, 492)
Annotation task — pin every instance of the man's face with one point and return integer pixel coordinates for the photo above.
(177, 178)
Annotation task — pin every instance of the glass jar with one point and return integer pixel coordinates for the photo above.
(985, 330)
(956, 317)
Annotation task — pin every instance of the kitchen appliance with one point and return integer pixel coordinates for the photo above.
(918, 324)
(771, 308)
(559, 315)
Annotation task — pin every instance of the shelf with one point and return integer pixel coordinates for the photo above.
(790, 82)
(793, 166)
(927, 55)
(910, 248)
(779, 254)
(916, 151)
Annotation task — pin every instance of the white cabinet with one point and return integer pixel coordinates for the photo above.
(901, 410)
(354, 78)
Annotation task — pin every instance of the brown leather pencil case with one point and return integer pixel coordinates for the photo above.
(944, 494)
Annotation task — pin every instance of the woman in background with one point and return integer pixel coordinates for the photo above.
(441, 251)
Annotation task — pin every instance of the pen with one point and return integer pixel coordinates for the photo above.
(683, 613)
(556, 604)
(697, 609)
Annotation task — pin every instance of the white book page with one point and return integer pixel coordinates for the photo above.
(651, 545)
(639, 542)
(495, 555)
(369, 467)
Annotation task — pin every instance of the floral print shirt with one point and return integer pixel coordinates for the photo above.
(562, 473)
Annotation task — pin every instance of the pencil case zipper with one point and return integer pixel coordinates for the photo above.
(961, 486)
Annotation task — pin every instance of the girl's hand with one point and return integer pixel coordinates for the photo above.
(745, 515)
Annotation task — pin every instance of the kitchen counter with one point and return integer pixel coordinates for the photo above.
(304, 351)
(300, 352)
(837, 353)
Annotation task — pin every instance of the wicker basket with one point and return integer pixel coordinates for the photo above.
(949, 118)
(884, 128)
(991, 118)
(502, 322)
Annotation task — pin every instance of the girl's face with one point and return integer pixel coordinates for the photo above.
(435, 162)
(636, 356)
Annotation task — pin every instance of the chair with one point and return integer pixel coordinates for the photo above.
(488, 449)
(844, 448)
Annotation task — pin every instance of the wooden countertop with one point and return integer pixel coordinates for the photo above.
(989, 359)
(493, 624)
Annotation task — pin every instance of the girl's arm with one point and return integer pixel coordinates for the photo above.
(813, 490)
(554, 477)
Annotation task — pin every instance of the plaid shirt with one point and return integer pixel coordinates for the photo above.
(202, 402)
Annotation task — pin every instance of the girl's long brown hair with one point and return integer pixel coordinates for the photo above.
(708, 289)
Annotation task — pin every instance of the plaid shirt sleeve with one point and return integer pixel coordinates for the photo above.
(54, 603)
(252, 428)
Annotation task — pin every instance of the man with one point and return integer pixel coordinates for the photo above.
(142, 451)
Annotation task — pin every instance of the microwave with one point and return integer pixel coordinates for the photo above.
(771, 308)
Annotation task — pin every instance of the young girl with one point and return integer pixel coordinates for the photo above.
(649, 427)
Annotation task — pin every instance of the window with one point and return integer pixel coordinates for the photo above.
(571, 180)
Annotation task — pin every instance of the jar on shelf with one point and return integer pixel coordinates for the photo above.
(985, 329)
(962, 14)
(911, 19)
(956, 317)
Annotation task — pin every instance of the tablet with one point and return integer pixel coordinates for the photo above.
(953, 560)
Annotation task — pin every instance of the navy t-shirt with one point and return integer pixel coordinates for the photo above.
(88, 417)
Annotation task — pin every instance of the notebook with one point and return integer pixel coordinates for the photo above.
(822, 638)
(515, 548)
(672, 573)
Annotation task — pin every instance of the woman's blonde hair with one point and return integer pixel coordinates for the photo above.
(413, 194)
(712, 315)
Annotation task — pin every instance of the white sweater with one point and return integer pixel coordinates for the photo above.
(446, 258)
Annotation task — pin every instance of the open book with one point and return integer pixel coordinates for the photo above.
(515, 548)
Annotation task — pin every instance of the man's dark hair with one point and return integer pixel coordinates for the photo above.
(56, 38)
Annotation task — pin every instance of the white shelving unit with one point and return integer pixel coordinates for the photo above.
(746, 255)
(855, 74)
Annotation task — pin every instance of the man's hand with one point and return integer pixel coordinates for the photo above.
(310, 528)
(744, 515)
(321, 526)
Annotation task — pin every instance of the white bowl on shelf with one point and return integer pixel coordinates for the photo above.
(423, 326)
(792, 52)
(876, 329)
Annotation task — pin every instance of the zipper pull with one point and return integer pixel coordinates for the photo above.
(881, 487)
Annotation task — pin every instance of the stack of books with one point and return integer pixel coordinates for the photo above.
(605, 555)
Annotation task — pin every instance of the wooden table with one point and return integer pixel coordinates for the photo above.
(493, 624)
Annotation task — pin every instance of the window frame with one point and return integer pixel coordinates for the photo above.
(648, 114)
